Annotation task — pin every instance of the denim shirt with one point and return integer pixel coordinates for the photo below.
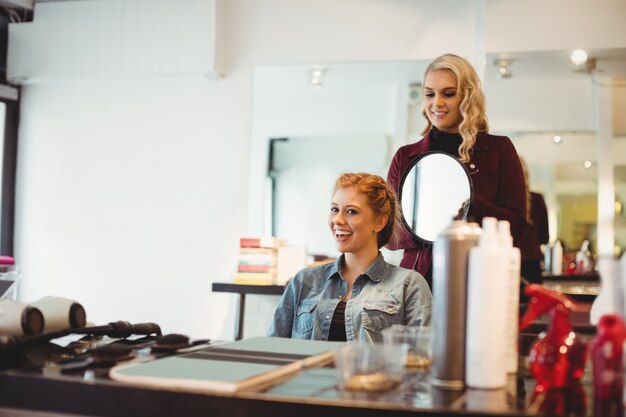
(384, 295)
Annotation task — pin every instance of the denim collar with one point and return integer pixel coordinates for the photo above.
(375, 271)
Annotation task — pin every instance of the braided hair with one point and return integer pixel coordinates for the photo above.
(381, 198)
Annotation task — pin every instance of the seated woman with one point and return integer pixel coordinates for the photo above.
(360, 294)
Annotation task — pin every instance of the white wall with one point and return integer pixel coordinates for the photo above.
(117, 38)
(544, 25)
(132, 194)
(304, 31)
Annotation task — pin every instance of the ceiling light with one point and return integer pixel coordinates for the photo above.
(578, 57)
(557, 139)
(582, 62)
(316, 77)
(587, 164)
(504, 68)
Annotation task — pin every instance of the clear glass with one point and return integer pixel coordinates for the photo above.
(370, 367)
(418, 341)
(9, 277)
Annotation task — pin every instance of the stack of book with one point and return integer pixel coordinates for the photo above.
(258, 260)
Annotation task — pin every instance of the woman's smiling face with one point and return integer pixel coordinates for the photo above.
(352, 221)
(442, 101)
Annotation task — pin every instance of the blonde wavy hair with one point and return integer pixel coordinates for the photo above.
(472, 100)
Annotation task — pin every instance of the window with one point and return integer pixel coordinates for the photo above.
(9, 108)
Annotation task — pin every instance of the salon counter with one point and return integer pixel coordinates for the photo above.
(582, 288)
(312, 392)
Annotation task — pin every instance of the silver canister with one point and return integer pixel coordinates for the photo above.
(450, 259)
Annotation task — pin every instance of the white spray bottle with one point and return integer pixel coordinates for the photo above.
(487, 299)
(506, 241)
(557, 258)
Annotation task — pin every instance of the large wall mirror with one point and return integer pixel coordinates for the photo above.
(312, 122)
(554, 113)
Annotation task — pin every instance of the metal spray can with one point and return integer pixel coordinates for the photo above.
(450, 260)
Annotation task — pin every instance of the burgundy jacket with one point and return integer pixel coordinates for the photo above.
(499, 191)
(538, 233)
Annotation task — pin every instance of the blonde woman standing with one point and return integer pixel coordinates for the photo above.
(454, 108)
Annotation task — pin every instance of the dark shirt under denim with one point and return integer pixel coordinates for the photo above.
(384, 295)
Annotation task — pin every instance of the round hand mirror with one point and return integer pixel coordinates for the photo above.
(435, 189)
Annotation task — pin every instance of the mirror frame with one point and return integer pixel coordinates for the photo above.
(413, 163)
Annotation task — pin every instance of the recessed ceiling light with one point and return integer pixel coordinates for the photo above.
(557, 139)
(316, 77)
(504, 68)
(587, 164)
(578, 57)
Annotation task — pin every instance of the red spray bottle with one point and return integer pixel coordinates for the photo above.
(557, 358)
(606, 357)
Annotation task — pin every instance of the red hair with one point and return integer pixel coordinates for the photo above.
(380, 196)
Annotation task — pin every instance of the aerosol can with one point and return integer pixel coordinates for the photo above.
(450, 260)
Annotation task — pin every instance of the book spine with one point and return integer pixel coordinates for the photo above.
(258, 251)
(256, 268)
(260, 259)
(260, 242)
